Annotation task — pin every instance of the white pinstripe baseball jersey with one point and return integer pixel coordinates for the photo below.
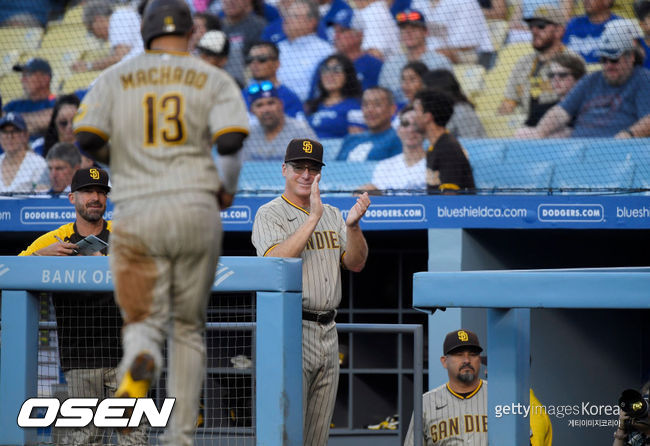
(450, 419)
(161, 111)
(278, 219)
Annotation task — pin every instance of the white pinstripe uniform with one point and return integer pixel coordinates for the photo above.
(450, 419)
(161, 111)
(321, 272)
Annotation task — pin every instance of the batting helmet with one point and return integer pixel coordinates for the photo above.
(641, 8)
(164, 17)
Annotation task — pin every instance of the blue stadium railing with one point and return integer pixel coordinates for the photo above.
(279, 302)
(511, 295)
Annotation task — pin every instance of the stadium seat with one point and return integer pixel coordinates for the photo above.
(558, 151)
(497, 126)
(74, 16)
(343, 176)
(261, 177)
(78, 81)
(10, 87)
(525, 175)
(8, 60)
(594, 176)
(497, 78)
(498, 32)
(68, 36)
(19, 39)
(471, 78)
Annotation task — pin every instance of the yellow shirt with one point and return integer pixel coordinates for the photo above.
(64, 232)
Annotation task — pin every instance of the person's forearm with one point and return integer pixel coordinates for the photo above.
(295, 244)
(356, 249)
(552, 120)
(641, 128)
(118, 53)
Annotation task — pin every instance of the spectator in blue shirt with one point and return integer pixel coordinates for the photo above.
(28, 13)
(614, 102)
(274, 31)
(36, 107)
(582, 33)
(263, 61)
(336, 111)
(381, 140)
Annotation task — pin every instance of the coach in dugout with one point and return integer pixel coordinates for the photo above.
(87, 324)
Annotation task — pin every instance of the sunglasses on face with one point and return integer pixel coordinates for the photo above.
(404, 17)
(300, 168)
(539, 24)
(63, 123)
(260, 86)
(10, 132)
(406, 123)
(558, 74)
(260, 59)
(612, 60)
(331, 69)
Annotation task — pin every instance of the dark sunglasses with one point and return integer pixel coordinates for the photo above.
(260, 86)
(260, 59)
(539, 24)
(300, 168)
(11, 132)
(331, 69)
(559, 74)
(406, 123)
(63, 123)
(612, 60)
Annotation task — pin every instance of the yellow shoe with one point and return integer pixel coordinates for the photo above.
(136, 381)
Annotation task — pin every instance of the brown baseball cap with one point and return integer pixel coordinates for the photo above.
(304, 149)
(90, 177)
(461, 338)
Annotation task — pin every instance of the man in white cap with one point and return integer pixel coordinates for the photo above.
(614, 102)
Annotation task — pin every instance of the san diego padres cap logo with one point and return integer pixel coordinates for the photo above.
(169, 24)
(463, 336)
(94, 174)
(307, 147)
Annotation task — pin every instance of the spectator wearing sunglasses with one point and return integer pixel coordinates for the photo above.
(565, 70)
(413, 36)
(614, 102)
(405, 172)
(336, 111)
(263, 61)
(270, 132)
(582, 32)
(529, 91)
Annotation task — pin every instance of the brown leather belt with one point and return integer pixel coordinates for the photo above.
(321, 318)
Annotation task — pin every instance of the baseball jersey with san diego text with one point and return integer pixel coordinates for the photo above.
(278, 219)
(450, 419)
(162, 111)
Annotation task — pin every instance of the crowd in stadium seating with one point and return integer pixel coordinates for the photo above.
(528, 68)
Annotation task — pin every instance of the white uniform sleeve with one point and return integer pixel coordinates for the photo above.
(94, 114)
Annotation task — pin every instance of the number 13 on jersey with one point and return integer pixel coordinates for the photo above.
(163, 119)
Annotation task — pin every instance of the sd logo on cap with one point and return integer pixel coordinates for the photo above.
(304, 149)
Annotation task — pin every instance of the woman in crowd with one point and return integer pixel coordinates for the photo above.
(412, 80)
(464, 123)
(336, 111)
(60, 127)
(565, 70)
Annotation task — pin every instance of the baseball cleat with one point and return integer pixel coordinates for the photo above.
(136, 381)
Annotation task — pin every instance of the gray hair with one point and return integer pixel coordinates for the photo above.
(66, 152)
(313, 11)
(96, 8)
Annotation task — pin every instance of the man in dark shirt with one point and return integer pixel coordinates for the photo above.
(448, 167)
